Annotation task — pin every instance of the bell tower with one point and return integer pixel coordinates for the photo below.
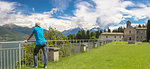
(128, 24)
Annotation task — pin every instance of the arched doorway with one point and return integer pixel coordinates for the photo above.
(130, 38)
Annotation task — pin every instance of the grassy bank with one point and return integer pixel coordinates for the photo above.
(116, 55)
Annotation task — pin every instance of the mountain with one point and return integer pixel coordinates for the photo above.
(71, 31)
(25, 30)
(75, 31)
(95, 29)
(12, 32)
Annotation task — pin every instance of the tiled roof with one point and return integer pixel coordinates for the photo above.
(141, 28)
(112, 33)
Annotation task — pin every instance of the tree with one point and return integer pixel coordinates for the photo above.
(87, 34)
(109, 30)
(143, 26)
(148, 31)
(115, 30)
(139, 26)
(104, 30)
(101, 31)
(120, 29)
(79, 35)
(93, 37)
(83, 34)
(97, 34)
(53, 34)
(71, 36)
(92, 34)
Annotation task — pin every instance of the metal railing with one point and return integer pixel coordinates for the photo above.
(18, 55)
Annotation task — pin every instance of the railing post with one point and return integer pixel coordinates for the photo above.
(7, 59)
(4, 59)
(16, 53)
(55, 43)
(104, 42)
(70, 47)
(20, 55)
(80, 42)
(13, 58)
(1, 54)
(1, 59)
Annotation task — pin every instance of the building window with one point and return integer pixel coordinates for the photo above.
(137, 37)
(106, 36)
(141, 36)
(137, 32)
(130, 31)
(115, 36)
(130, 38)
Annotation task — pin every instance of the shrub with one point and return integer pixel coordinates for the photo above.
(144, 40)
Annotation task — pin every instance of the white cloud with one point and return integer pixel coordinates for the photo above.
(29, 20)
(7, 7)
(103, 14)
(108, 13)
(54, 10)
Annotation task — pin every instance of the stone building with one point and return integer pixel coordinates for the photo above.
(130, 34)
(134, 34)
(111, 36)
(140, 34)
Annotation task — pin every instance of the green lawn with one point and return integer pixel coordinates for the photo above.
(116, 55)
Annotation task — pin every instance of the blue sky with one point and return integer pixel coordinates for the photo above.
(70, 14)
(41, 6)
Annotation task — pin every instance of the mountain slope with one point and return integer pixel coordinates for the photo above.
(13, 32)
(75, 31)
(71, 31)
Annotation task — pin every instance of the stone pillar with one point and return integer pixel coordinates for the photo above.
(103, 42)
(83, 47)
(53, 54)
(100, 43)
(94, 45)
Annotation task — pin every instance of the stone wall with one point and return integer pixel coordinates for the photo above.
(129, 34)
(112, 37)
(140, 34)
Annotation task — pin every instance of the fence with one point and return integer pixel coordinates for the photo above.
(18, 55)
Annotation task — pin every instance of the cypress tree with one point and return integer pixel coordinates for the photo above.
(100, 31)
(104, 30)
(109, 30)
(148, 30)
(97, 34)
(139, 26)
(87, 34)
